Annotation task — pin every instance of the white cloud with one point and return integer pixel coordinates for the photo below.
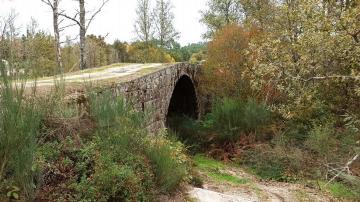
(116, 19)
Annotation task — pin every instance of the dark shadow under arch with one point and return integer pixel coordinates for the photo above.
(183, 101)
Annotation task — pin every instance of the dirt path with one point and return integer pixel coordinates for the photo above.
(236, 185)
(95, 74)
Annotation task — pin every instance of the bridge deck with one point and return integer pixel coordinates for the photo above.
(103, 75)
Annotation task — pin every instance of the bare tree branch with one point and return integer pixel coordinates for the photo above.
(73, 39)
(345, 168)
(67, 26)
(332, 77)
(48, 3)
(71, 18)
(97, 12)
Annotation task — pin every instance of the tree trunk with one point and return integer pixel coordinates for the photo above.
(82, 35)
(57, 35)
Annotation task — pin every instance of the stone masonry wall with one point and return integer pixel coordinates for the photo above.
(153, 92)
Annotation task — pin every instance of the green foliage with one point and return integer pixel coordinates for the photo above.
(216, 170)
(190, 49)
(231, 118)
(99, 53)
(340, 190)
(127, 165)
(39, 54)
(198, 57)
(219, 14)
(224, 177)
(170, 163)
(121, 53)
(145, 53)
(321, 140)
(19, 125)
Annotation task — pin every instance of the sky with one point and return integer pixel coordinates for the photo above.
(116, 19)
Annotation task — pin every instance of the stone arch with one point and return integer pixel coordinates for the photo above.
(183, 99)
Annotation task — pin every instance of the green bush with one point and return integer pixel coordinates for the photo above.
(171, 165)
(118, 161)
(19, 125)
(321, 140)
(128, 165)
(231, 118)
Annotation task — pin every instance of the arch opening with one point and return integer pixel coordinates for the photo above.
(183, 101)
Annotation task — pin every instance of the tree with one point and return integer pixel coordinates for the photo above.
(84, 24)
(142, 52)
(221, 13)
(228, 58)
(98, 51)
(121, 52)
(54, 5)
(259, 12)
(144, 22)
(9, 46)
(164, 24)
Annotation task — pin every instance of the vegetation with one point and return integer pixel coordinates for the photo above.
(299, 59)
(216, 170)
(279, 82)
(103, 154)
(19, 126)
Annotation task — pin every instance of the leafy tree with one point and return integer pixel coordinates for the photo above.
(144, 25)
(259, 12)
(99, 52)
(221, 13)
(142, 52)
(39, 55)
(190, 49)
(164, 24)
(121, 53)
(228, 57)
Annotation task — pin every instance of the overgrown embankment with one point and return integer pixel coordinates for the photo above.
(53, 150)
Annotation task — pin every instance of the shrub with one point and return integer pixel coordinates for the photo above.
(321, 140)
(127, 163)
(19, 124)
(230, 118)
(171, 165)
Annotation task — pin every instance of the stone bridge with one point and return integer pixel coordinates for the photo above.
(161, 89)
(171, 90)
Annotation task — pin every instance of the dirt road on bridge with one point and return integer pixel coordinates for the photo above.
(115, 71)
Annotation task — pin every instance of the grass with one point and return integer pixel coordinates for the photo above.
(340, 190)
(217, 170)
(98, 69)
(224, 177)
(19, 125)
(90, 70)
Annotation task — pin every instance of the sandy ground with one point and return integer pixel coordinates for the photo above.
(255, 191)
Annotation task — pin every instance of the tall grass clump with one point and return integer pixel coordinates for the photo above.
(169, 161)
(231, 118)
(20, 119)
